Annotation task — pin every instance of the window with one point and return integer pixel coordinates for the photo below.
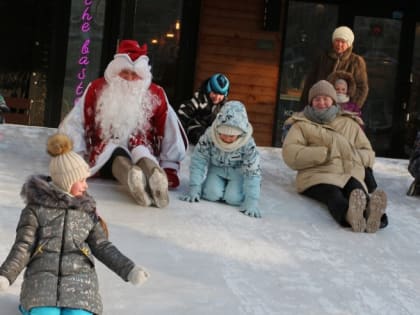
(308, 34)
(158, 24)
(83, 50)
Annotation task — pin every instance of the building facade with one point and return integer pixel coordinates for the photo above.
(55, 48)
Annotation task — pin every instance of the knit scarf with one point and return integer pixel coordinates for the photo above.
(229, 147)
(323, 116)
(342, 98)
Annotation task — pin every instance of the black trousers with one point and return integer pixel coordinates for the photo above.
(335, 198)
(106, 170)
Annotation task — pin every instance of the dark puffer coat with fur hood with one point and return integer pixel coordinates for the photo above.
(57, 237)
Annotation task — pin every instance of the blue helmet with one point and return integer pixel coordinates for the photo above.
(218, 83)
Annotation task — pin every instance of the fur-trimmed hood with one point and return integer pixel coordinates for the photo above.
(39, 190)
(234, 114)
(348, 77)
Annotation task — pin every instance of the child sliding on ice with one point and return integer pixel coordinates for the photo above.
(58, 235)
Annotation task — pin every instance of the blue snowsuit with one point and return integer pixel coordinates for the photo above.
(227, 172)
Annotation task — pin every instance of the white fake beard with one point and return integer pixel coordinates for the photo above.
(124, 108)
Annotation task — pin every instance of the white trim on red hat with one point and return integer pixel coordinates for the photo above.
(123, 61)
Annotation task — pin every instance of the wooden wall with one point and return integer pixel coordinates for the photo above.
(232, 41)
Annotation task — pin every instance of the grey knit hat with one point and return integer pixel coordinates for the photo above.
(322, 87)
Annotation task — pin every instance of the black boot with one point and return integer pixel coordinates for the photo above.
(414, 189)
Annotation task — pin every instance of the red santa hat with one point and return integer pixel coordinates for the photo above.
(130, 55)
(132, 49)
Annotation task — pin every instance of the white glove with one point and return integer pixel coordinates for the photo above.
(138, 276)
(4, 283)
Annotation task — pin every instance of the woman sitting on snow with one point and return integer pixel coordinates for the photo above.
(330, 152)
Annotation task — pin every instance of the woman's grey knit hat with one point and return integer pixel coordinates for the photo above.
(322, 87)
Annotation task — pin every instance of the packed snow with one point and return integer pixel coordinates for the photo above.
(207, 258)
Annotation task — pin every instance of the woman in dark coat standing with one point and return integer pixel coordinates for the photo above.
(340, 57)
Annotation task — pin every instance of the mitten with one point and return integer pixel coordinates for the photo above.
(173, 179)
(193, 195)
(138, 275)
(250, 207)
(252, 189)
(4, 283)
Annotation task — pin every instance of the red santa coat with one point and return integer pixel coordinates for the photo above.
(150, 138)
(166, 144)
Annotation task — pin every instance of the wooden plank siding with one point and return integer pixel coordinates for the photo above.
(232, 41)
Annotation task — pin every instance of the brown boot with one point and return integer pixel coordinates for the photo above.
(131, 176)
(375, 210)
(157, 180)
(357, 206)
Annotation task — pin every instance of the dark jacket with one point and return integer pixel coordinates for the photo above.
(414, 162)
(57, 237)
(330, 62)
(198, 113)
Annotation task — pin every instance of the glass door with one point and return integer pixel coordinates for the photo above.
(378, 41)
(384, 37)
(412, 118)
(308, 34)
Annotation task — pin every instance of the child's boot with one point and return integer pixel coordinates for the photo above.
(157, 180)
(355, 213)
(131, 176)
(375, 210)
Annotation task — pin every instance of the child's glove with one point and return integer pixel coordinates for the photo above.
(250, 207)
(4, 283)
(192, 196)
(138, 275)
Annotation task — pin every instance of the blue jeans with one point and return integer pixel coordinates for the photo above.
(51, 310)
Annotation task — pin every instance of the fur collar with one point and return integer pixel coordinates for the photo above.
(344, 56)
(39, 190)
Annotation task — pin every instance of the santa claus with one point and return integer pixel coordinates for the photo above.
(126, 129)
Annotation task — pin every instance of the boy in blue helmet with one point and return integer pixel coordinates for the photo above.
(198, 113)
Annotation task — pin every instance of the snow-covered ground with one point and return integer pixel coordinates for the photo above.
(207, 258)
